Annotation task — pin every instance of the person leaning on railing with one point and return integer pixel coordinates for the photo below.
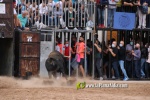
(69, 17)
(130, 5)
(43, 11)
(142, 11)
(51, 5)
(114, 61)
(58, 13)
(23, 20)
(137, 55)
(82, 19)
(100, 13)
(111, 11)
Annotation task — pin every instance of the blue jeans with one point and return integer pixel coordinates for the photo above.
(143, 61)
(115, 67)
(121, 63)
(51, 21)
(110, 17)
(137, 68)
(100, 15)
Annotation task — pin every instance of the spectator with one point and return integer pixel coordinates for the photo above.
(73, 46)
(129, 48)
(137, 55)
(111, 11)
(105, 59)
(57, 48)
(33, 7)
(43, 11)
(144, 56)
(67, 50)
(16, 20)
(67, 3)
(97, 59)
(69, 17)
(121, 56)
(130, 5)
(21, 7)
(89, 57)
(142, 16)
(58, 13)
(100, 13)
(23, 20)
(147, 66)
(60, 46)
(80, 51)
(114, 60)
(51, 5)
(82, 16)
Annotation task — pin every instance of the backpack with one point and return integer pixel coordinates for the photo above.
(144, 9)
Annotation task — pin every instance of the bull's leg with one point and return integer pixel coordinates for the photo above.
(54, 74)
(50, 75)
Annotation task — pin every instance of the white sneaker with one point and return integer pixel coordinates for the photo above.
(75, 28)
(139, 26)
(66, 28)
(101, 78)
(113, 77)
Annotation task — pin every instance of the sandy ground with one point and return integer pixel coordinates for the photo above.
(45, 89)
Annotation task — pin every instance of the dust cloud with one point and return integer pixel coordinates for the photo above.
(35, 82)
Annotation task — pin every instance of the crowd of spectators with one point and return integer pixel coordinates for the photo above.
(77, 13)
(113, 60)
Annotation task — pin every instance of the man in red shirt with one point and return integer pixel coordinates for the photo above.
(80, 51)
(67, 48)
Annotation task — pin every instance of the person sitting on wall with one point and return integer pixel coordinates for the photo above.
(23, 20)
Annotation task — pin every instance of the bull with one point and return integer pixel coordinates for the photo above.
(55, 63)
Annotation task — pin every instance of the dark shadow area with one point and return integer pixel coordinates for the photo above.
(6, 57)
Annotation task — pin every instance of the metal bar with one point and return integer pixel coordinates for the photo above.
(84, 14)
(103, 37)
(78, 14)
(63, 42)
(110, 55)
(54, 32)
(93, 64)
(75, 15)
(81, 15)
(133, 49)
(77, 72)
(45, 13)
(70, 55)
(148, 37)
(48, 14)
(85, 60)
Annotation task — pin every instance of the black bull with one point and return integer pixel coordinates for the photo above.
(55, 63)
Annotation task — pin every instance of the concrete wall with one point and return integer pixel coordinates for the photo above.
(46, 48)
(6, 57)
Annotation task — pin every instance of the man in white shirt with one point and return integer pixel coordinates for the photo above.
(33, 6)
(43, 10)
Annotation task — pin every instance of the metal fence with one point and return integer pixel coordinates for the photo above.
(60, 14)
